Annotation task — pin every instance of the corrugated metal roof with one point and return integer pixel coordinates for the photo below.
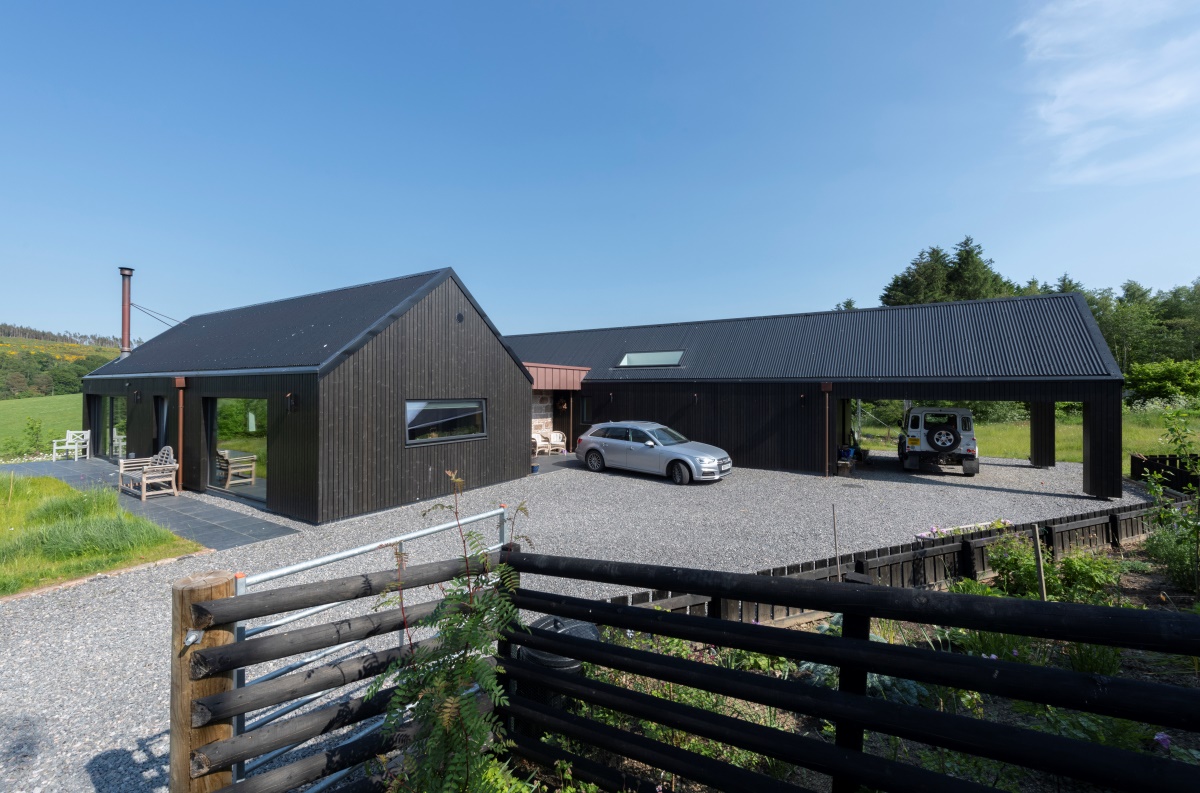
(311, 332)
(1038, 337)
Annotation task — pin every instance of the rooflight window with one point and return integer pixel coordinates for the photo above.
(660, 358)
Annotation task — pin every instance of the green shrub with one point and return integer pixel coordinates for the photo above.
(1012, 557)
(1088, 578)
(1104, 730)
(1173, 548)
(29, 442)
(1167, 380)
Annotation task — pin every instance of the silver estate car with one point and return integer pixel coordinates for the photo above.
(651, 448)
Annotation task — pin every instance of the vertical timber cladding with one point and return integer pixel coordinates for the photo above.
(291, 436)
(761, 425)
(1102, 442)
(139, 418)
(1041, 434)
(427, 353)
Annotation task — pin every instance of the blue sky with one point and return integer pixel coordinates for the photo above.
(583, 165)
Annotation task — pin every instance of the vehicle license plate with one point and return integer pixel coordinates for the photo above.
(726, 467)
(914, 441)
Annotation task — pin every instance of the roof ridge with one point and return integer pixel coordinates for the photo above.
(796, 314)
(323, 292)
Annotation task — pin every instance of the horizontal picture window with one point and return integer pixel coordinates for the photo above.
(437, 420)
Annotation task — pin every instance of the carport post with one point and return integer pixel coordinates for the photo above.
(1041, 434)
(826, 388)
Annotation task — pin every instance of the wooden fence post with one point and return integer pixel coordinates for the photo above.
(1114, 530)
(849, 735)
(504, 648)
(185, 738)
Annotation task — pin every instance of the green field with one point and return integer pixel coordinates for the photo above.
(57, 413)
(53, 533)
(1142, 434)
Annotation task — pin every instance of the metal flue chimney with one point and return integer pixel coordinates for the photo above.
(126, 278)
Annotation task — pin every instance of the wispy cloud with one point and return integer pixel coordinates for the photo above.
(1118, 83)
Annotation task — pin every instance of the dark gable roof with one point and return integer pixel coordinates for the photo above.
(312, 333)
(1042, 337)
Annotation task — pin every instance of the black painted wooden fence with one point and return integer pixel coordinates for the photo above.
(921, 564)
(848, 707)
(1178, 473)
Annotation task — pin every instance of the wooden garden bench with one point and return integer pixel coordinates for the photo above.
(77, 443)
(155, 476)
(237, 470)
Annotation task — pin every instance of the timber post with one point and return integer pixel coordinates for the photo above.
(185, 738)
(852, 680)
(504, 648)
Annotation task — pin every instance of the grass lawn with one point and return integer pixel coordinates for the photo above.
(1142, 433)
(57, 413)
(50, 532)
(249, 445)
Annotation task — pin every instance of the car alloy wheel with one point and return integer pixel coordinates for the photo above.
(595, 461)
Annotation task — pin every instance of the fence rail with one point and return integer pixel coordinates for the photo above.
(1178, 473)
(213, 745)
(854, 655)
(226, 732)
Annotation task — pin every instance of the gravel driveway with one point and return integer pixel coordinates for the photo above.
(84, 669)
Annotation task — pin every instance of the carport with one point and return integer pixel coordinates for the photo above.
(770, 390)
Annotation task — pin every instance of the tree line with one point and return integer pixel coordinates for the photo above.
(1153, 334)
(67, 337)
(57, 369)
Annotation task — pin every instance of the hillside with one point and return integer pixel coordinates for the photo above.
(57, 414)
(37, 367)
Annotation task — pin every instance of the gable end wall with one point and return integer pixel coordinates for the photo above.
(425, 354)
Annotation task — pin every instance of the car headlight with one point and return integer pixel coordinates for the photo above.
(706, 460)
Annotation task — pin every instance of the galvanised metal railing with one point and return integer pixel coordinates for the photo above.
(242, 632)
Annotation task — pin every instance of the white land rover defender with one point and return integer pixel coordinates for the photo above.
(945, 436)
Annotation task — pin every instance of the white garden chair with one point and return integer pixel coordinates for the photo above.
(77, 443)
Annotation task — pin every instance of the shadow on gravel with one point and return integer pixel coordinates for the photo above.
(144, 770)
(21, 741)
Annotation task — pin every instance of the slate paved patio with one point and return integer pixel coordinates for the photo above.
(208, 524)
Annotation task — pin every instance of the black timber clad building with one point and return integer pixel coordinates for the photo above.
(372, 393)
(774, 391)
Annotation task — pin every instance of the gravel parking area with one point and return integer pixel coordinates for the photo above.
(84, 669)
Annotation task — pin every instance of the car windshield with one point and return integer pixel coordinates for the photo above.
(667, 436)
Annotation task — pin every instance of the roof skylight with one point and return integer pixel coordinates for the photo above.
(658, 358)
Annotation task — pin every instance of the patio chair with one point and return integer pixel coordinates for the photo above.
(118, 444)
(540, 444)
(154, 476)
(558, 440)
(77, 443)
(236, 470)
